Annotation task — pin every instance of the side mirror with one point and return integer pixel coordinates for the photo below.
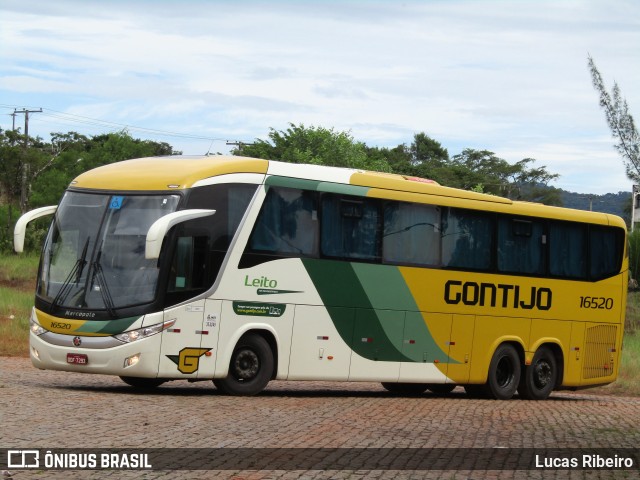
(21, 225)
(160, 227)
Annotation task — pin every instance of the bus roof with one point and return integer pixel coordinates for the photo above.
(163, 173)
(183, 172)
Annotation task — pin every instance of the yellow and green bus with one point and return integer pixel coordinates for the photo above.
(243, 270)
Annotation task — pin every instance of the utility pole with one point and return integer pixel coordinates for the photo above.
(239, 144)
(26, 122)
(24, 180)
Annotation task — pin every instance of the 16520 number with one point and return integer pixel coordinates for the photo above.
(602, 303)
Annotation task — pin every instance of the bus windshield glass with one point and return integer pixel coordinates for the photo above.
(93, 257)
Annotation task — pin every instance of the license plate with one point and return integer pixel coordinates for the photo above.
(77, 358)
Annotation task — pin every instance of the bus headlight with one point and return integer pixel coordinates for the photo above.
(144, 332)
(35, 327)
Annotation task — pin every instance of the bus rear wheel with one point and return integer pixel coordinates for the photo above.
(504, 373)
(250, 368)
(142, 383)
(405, 388)
(539, 378)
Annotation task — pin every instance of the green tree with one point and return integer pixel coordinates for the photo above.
(35, 173)
(77, 153)
(620, 123)
(517, 181)
(314, 145)
(425, 157)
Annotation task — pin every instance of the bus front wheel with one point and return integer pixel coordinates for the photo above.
(250, 368)
(504, 372)
(539, 378)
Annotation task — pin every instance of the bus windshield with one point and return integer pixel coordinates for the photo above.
(93, 257)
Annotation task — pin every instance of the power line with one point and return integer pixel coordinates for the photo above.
(80, 119)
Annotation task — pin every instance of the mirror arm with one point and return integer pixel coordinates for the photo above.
(19, 231)
(160, 227)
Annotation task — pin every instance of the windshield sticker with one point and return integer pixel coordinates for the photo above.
(259, 309)
(116, 203)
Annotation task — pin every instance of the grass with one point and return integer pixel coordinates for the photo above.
(15, 308)
(18, 268)
(17, 284)
(632, 321)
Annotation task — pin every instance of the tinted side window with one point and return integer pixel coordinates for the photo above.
(567, 250)
(467, 239)
(350, 228)
(200, 245)
(411, 234)
(605, 251)
(521, 246)
(287, 224)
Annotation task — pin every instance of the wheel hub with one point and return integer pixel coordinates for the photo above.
(542, 374)
(246, 365)
(504, 372)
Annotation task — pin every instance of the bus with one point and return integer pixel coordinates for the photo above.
(243, 270)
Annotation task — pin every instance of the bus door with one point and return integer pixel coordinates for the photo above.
(181, 353)
(460, 345)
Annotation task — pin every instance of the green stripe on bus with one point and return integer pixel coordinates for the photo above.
(108, 327)
(314, 185)
(360, 326)
(374, 312)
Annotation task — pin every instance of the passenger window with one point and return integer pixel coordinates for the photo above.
(521, 246)
(567, 250)
(606, 246)
(411, 234)
(350, 228)
(287, 224)
(467, 239)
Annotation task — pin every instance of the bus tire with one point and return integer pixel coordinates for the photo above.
(441, 388)
(405, 388)
(539, 379)
(142, 383)
(504, 373)
(250, 368)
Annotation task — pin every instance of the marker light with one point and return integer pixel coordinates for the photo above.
(132, 360)
(133, 335)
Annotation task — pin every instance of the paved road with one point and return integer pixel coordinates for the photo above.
(49, 410)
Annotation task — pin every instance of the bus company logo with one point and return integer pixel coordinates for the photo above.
(188, 360)
(493, 295)
(77, 341)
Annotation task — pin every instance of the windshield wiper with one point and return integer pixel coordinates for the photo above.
(76, 272)
(103, 288)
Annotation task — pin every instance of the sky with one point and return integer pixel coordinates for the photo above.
(510, 77)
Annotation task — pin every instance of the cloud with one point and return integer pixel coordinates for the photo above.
(510, 77)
